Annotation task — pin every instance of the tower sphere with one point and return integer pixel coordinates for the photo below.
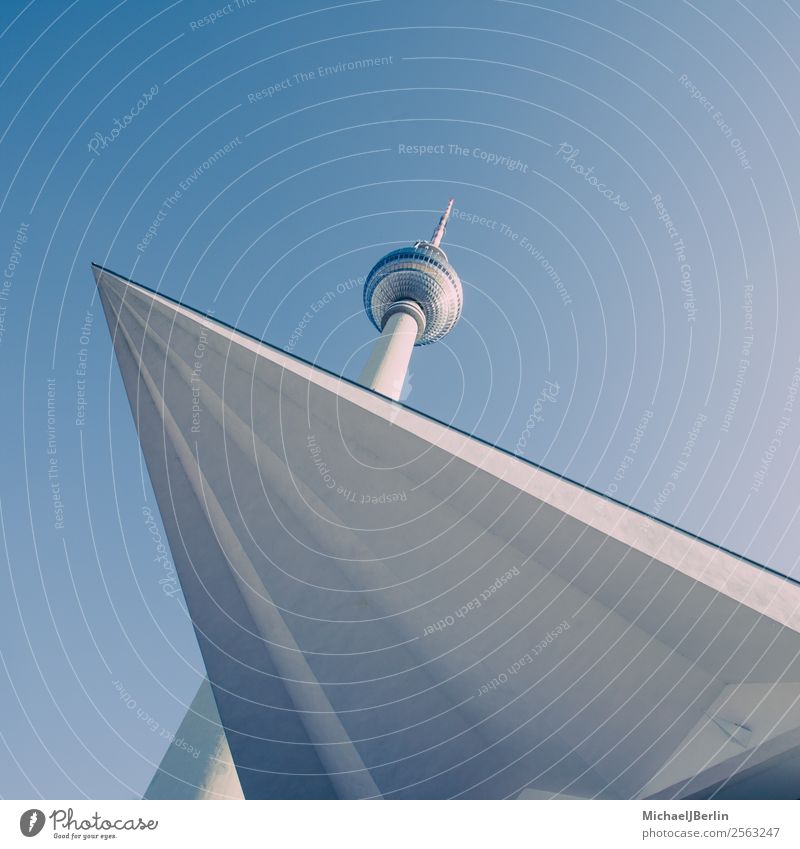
(422, 275)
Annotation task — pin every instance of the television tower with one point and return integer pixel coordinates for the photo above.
(413, 296)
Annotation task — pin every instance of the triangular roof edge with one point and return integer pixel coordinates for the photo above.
(377, 397)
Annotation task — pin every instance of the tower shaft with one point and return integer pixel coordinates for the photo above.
(385, 370)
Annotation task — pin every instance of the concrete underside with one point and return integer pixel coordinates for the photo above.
(388, 607)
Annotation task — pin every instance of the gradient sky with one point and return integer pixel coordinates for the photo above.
(625, 179)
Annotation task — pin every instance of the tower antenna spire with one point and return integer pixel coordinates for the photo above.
(438, 233)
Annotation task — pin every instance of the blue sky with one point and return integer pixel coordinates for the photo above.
(627, 228)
